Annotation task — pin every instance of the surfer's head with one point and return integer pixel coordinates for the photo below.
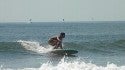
(62, 34)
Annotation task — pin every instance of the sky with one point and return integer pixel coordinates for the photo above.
(56, 10)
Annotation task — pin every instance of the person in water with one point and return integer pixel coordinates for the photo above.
(57, 41)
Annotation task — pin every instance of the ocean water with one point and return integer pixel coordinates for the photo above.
(100, 46)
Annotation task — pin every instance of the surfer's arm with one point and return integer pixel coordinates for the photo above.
(59, 44)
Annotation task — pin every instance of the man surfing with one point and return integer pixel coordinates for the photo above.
(57, 41)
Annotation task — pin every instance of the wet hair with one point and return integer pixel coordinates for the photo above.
(62, 34)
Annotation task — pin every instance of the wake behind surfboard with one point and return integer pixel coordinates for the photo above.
(64, 52)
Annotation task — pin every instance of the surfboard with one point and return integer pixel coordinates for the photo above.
(64, 52)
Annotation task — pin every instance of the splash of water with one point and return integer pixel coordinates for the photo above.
(35, 46)
(75, 65)
(78, 65)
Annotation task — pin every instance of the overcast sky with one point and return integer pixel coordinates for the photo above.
(56, 10)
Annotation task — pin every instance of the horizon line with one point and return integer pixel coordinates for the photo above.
(56, 21)
(60, 21)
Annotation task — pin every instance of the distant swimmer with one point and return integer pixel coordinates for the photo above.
(57, 41)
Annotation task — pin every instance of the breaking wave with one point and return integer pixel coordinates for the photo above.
(74, 65)
(35, 46)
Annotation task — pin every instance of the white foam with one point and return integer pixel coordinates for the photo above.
(34, 46)
(76, 65)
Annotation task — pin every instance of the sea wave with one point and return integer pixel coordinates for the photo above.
(98, 46)
(94, 47)
(74, 65)
(35, 46)
(24, 46)
(11, 47)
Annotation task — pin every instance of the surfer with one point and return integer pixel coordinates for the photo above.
(57, 41)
